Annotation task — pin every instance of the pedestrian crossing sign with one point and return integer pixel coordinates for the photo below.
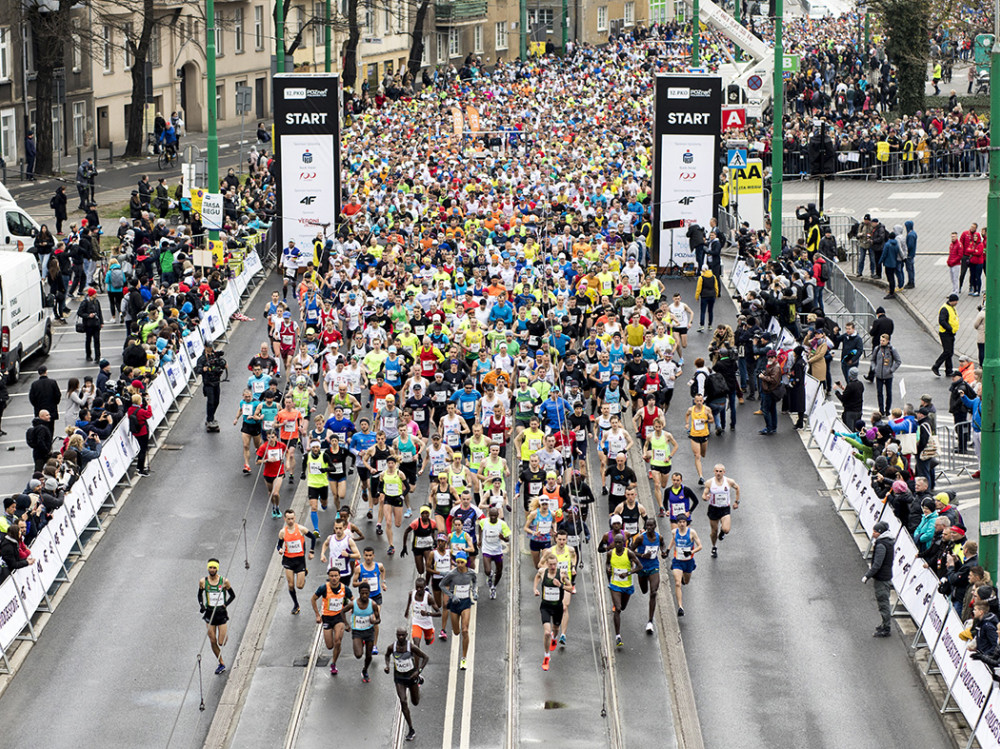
(737, 159)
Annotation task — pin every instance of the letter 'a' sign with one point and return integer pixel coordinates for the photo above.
(734, 117)
(307, 145)
(687, 132)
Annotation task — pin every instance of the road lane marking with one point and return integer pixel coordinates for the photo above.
(915, 195)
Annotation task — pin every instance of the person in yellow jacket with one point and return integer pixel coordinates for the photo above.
(947, 330)
(707, 291)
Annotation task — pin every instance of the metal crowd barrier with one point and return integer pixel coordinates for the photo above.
(955, 163)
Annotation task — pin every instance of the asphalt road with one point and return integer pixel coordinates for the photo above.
(782, 615)
(116, 664)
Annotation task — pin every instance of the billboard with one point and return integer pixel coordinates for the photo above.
(307, 142)
(687, 125)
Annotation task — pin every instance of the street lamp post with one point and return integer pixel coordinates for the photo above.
(737, 11)
(990, 446)
(777, 132)
(279, 34)
(213, 137)
(328, 38)
(696, 34)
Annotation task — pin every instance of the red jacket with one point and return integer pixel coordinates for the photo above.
(818, 270)
(142, 415)
(977, 253)
(955, 252)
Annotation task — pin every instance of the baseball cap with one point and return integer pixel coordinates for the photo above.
(616, 519)
(880, 527)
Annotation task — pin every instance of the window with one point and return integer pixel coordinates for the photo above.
(425, 53)
(602, 18)
(107, 51)
(4, 54)
(454, 43)
(238, 28)
(477, 38)
(369, 18)
(442, 42)
(400, 17)
(220, 101)
(18, 224)
(155, 46)
(8, 135)
(258, 27)
(29, 47)
(300, 19)
(541, 17)
(57, 129)
(387, 19)
(319, 23)
(501, 35)
(630, 12)
(127, 41)
(75, 42)
(218, 33)
(79, 122)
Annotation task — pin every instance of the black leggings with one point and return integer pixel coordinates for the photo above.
(115, 300)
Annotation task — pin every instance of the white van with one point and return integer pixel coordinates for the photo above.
(25, 316)
(17, 228)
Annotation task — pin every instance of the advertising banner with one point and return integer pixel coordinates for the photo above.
(872, 510)
(47, 559)
(29, 585)
(904, 555)
(971, 687)
(307, 135)
(174, 372)
(63, 534)
(228, 301)
(13, 619)
(160, 398)
(949, 651)
(686, 135)
(252, 263)
(988, 730)
(116, 456)
(212, 324)
(936, 614)
(97, 488)
(195, 346)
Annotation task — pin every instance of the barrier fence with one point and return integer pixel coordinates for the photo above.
(26, 591)
(955, 163)
(969, 683)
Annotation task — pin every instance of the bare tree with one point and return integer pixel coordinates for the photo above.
(417, 45)
(139, 50)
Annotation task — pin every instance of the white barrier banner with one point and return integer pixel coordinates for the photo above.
(47, 559)
(116, 456)
(63, 534)
(97, 488)
(252, 263)
(13, 618)
(187, 365)
(988, 730)
(904, 556)
(160, 398)
(971, 687)
(29, 585)
(174, 372)
(195, 346)
(242, 281)
(854, 488)
(741, 277)
(822, 424)
(872, 510)
(937, 615)
(212, 324)
(950, 650)
(839, 452)
(228, 301)
(814, 387)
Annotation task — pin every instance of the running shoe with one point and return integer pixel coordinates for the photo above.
(715, 553)
(493, 593)
(618, 641)
(369, 515)
(701, 481)
(291, 479)
(333, 669)
(562, 640)
(722, 535)
(246, 468)
(604, 491)
(461, 664)
(408, 513)
(411, 735)
(364, 677)
(221, 668)
(553, 643)
(392, 550)
(375, 650)
(444, 636)
(295, 610)
(662, 513)
(275, 512)
(545, 663)
(649, 628)
(378, 528)
(680, 612)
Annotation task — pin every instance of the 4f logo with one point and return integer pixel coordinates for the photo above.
(308, 200)
(688, 200)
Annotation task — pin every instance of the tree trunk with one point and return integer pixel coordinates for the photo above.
(48, 47)
(905, 23)
(136, 113)
(417, 47)
(349, 74)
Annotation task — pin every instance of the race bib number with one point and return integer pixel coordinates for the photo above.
(550, 593)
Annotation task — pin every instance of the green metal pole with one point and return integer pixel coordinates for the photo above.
(990, 449)
(565, 25)
(524, 29)
(737, 11)
(279, 34)
(328, 38)
(696, 35)
(868, 31)
(213, 137)
(777, 133)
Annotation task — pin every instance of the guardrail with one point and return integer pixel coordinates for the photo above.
(26, 591)
(969, 163)
(970, 684)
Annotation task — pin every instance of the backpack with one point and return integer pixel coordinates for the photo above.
(117, 278)
(824, 272)
(715, 386)
(31, 437)
(52, 202)
(134, 426)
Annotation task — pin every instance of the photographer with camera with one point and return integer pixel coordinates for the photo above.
(211, 366)
(138, 414)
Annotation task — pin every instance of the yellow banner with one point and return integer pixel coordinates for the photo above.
(752, 179)
(472, 115)
(197, 195)
(218, 249)
(457, 123)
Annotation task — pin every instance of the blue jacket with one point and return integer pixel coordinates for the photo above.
(890, 253)
(924, 534)
(911, 241)
(976, 406)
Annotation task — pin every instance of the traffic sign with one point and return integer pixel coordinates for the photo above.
(211, 210)
(733, 117)
(737, 159)
(244, 99)
(755, 106)
(754, 82)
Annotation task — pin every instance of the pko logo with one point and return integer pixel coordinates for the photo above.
(295, 93)
(674, 92)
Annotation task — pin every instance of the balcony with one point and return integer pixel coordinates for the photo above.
(459, 12)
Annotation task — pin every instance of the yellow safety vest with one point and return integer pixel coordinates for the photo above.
(952, 319)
